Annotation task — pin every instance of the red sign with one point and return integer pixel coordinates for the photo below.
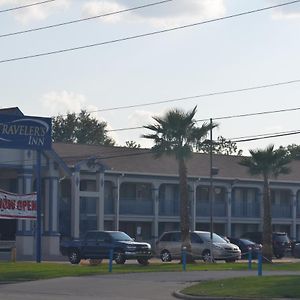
(17, 206)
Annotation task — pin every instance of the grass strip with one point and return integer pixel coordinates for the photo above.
(10, 271)
(248, 287)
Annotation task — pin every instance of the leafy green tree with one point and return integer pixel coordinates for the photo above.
(293, 150)
(267, 163)
(221, 146)
(132, 144)
(175, 134)
(81, 129)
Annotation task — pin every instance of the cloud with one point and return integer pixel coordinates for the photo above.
(60, 102)
(64, 102)
(285, 12)
(286, 15)
(165, 15)
(94, 8)
(140, 118)
(36, 12)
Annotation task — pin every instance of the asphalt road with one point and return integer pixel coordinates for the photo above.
(135, 286)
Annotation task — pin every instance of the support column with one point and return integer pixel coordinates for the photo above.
(155, 197)
(117, 204)
(75, 205)
(228, 203)
(25, 235)
(294, 214)
(100, 202)
(260, 199)
(50, 213)
(193, 208)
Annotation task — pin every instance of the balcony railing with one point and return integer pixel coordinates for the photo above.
(281, 211)
(203, 209)
(108, 206)
(246, 211)
(169, 211)
(132, 206)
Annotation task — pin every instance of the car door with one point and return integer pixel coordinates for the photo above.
(103, 245)
(175, 244)
(89, 244)
(197, 245)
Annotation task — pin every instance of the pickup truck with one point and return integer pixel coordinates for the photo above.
(99, 244)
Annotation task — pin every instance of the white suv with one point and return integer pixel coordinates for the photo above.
(168, 247)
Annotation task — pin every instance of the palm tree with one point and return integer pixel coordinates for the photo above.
(175, 134)
(267, 162)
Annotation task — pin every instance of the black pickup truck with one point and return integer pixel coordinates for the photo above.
(99, 244)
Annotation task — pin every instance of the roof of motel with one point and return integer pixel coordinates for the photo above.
(142, 161)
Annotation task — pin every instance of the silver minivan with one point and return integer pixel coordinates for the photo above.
(168, 247)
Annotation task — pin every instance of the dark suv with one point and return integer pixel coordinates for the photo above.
(99, 245)
(280, 242)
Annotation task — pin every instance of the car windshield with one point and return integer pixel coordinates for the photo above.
(247, 242)
(120, 236)
(216, 238)
(281, 238)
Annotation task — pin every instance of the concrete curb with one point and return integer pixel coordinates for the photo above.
(179, 295)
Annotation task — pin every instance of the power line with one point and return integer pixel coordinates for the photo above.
(144, 151)
(256, 114)
(25, 6)
(262, 135)
(266, 137)
(224, 117)
(146, 34)
(83, 19)
(199, 96)
(148, 151)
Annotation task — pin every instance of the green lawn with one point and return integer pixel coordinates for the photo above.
(250, 287)
(20, 271)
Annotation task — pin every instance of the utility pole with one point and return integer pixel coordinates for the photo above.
(211, 193)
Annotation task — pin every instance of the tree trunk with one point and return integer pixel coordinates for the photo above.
(267, 251)
(184, 211)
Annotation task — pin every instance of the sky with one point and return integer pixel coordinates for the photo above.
(230, 54)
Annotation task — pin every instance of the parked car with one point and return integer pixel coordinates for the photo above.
(280, 242)
(296, 249)
(98, 245)
(246, 246)
(168, 247)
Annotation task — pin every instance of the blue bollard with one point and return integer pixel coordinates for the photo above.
(111, 252)
(259, 266)
(183, 259)
(250, 259)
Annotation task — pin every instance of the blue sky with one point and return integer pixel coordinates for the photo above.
(241, 52)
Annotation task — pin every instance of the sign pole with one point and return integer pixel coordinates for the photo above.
(38, 206)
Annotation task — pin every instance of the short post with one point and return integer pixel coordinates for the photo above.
(259, 266)
(183, 258)
(13, 254)
(250, 259)
(111, 252)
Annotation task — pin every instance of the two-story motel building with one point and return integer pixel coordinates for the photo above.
(115, 188)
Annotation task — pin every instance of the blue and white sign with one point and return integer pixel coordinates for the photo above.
(25, 132)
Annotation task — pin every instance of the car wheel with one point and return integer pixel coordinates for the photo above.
(230, 260)
(143, 261)
(165, 256)
(119, 257)
(74, 257)
(278, 255)
(206, 256)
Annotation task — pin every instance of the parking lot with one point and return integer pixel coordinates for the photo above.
(133, 286)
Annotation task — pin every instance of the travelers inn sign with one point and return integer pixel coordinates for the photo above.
(25, 132)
